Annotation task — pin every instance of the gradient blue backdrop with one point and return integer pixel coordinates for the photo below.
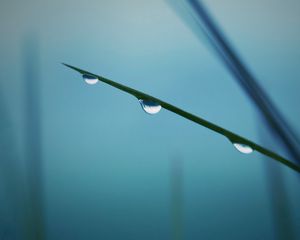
(105, 163)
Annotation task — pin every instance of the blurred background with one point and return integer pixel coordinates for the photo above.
(85, 162)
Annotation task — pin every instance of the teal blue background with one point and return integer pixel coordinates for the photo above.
(105, 163)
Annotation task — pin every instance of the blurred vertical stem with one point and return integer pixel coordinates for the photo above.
(33, 145)
(177, 197)
(277, 191)
(11, 179)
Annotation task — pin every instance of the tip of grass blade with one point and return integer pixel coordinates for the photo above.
(78, 69)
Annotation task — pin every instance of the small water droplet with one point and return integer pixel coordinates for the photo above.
(90, 79)
(150, 106)
(243, 148)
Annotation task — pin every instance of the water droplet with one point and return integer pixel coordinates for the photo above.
(150, 106)
(243, 148)
(89, 79)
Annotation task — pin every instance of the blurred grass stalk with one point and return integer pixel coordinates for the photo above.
(21, 214)
(177, 198)
(197, 17)
(11, 179)
(34, 216)
(283, 227)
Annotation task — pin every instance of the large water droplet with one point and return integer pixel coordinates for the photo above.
(150, 106)
(243, 148)
(89, 79)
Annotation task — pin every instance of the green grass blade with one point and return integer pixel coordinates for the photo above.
(234, 138)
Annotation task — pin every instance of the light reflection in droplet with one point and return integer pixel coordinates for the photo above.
(150, 106)
(243, 148)
(90, 79)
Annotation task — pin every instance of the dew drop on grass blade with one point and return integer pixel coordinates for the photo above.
(150, 106)
(243, 148)
(90, 79)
